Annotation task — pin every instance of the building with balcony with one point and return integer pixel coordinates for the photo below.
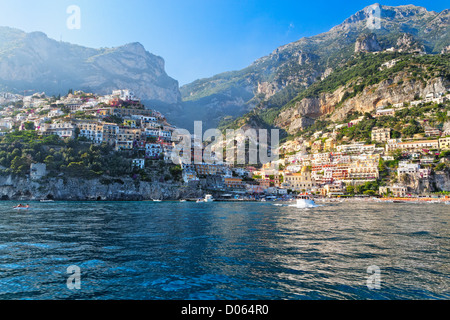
(396, 190)
(444, 143)
(381, 134)
(301, 181)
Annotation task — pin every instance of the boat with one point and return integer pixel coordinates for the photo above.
(305, 201)
(208, 198)
(156, 200)
(21, 207)
(47, 200)
(182, 200)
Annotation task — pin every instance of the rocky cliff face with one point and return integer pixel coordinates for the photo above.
(32, 61)
(73, 189)
(439, 181)
(304, 112)
(367, 43)
(407, 43)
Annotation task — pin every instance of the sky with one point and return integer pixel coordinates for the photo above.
(196, 38)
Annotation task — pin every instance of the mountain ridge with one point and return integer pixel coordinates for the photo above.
(279, 77)
(33, 61)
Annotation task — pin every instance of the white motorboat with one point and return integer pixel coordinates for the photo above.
(208, 198)
(305, 201)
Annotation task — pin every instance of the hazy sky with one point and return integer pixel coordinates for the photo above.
(197, 38)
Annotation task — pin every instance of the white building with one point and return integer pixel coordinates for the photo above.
(153, 150)
(61, 129)
(55, 113)
(138, 163)
(404, 167)
(125, 95)
(358, 147)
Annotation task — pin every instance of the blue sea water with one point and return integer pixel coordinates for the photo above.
(224, 251)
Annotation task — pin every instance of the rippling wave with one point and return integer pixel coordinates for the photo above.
(173, 250)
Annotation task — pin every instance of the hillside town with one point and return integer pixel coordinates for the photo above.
(118, 119)
(318, 164)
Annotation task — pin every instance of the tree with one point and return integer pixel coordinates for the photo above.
(20, 165)
(412, 128)
(176, 172)
(29, 125)
(50, 162)
(350, 189)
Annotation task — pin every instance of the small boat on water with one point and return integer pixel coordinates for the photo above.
(156, 200)
(21, 207)
(182, 200)
(47, 200)
(305, 201)
(207, 198)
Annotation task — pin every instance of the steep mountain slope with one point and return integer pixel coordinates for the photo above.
(365, 83)
(32, 61)
(273, 81)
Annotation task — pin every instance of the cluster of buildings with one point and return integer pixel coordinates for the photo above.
(328, 168)
(119, 120)
(433, 97)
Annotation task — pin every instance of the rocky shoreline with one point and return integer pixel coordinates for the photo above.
(129, 189)
(77, 189)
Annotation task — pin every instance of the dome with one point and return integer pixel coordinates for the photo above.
(305, 169)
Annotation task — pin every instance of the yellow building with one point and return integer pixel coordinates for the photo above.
(444, 143)
(330, 190)
(418, 146)
(234, 183)
(208, 169)
(110, 132)
(381, 134)
(361, 170)
(300, 181)
(330, 144)
(126, 137)
(130, 123)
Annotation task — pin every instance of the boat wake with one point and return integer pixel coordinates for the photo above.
(299, 205)
(307, 206)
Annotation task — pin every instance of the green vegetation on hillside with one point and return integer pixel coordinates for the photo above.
(361, 71)
(74, 158)
(365, 69)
